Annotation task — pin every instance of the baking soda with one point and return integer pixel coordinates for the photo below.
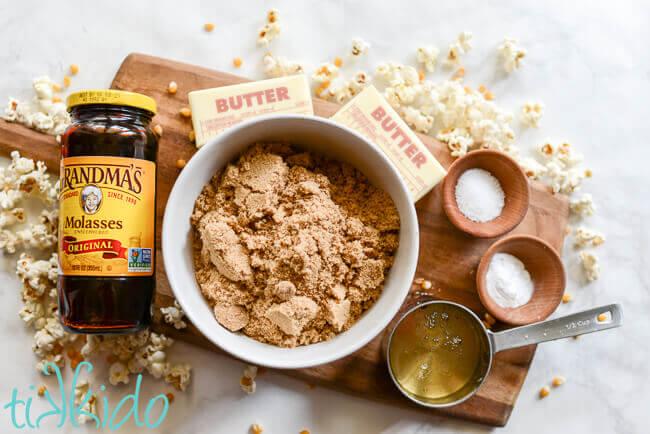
(479, 195)
(508, 282)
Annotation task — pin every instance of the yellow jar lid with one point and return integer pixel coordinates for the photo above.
(113, 97)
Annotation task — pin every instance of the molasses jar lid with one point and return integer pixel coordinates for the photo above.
(112, 97)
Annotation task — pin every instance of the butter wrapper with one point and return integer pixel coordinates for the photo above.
(371, 116)
(215, 110)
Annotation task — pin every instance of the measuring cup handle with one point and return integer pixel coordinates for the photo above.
(571, 325)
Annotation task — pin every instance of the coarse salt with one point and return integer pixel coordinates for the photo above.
(508, 282)
(479, 195)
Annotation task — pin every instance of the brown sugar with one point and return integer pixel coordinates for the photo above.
(292, 247)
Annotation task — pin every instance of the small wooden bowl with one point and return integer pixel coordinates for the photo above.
(513, 182)
(545, 268)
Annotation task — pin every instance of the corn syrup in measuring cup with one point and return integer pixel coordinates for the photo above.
(438, 353)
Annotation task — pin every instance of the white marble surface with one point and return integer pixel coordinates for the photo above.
(588, 61)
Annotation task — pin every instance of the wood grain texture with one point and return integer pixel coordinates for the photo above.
(448, 257)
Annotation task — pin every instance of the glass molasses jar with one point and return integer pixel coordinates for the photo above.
(107, 213)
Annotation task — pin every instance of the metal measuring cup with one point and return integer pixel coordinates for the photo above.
(493, 342)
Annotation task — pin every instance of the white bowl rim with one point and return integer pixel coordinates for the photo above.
(305, 362)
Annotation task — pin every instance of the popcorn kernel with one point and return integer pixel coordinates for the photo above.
(172, 88)
(75, 362)
(544, 392)
(74, 68)
(208, 27)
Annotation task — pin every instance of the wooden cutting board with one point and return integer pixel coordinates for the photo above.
(448, 257)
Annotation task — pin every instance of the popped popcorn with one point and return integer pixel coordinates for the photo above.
(461, 116)
(459, 47)
(325, 72)
(173, 315)
(359, 47)
(251, 371)
(152, 356)
(247, 381)
(118, 372)
(583, 206)
(44, 113)
(349, 88)
(32, 311)
(179, 376)
(39, 276)
(416, 119)
(280, 66)
(397, 74)
(11, 217)
(587, 237)
(24, 178)
(41, 235)
(9, 241)
(561, 174)
(428, 55)
(138, 352)
(532, 113)
(50, 341)
(469, 121)
(270, 30)
(401, 95)
(564, 154)
(590, 265)
(532, 168)
(9, 198)
(564, 181)
(81, 392)
(458, 141)
(512, 54)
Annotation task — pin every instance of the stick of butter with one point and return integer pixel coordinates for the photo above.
(215, 110)
(370, 115)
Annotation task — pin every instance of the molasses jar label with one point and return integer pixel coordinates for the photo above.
(107, 216)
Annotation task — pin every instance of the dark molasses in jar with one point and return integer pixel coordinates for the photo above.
(107, 213)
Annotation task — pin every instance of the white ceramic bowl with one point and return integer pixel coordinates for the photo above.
(314, 134)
